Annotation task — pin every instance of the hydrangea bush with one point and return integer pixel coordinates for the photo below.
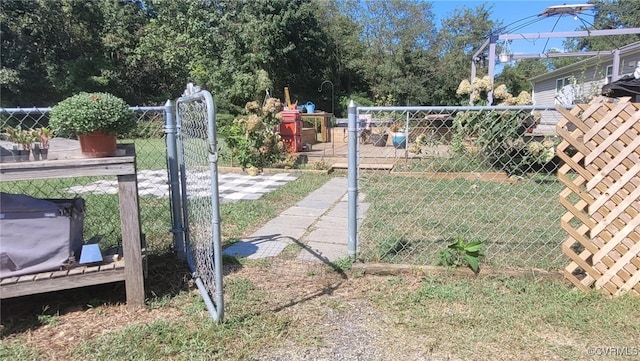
(253, 139)
(501, 136)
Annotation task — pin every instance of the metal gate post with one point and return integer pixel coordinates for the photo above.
(174, 179)
(352, 176)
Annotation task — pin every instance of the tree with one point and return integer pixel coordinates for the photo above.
(123, 23)
(346, 53)
(609, 14)
(516, 77)
(397, 35)
(461, 34)
(52, 47)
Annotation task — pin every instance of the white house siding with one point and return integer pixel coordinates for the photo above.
(590, 76)
(545, 92)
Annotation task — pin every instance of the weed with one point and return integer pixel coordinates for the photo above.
(343, 264)
(462, 253)
(48, 319)
(321, 165)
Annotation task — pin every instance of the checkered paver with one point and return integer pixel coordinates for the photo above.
(231, 186)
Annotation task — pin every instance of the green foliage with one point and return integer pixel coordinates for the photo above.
(24, 137)
(360, 99)
(85, 113)
(343, 264)
(500, 138)
(516, 77)
(120, 47)
(462, 253)
(461, 34)
(253, 140)
(397, 44)
(391, 246)
(609, 14)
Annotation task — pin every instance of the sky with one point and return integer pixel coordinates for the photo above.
(522, 12)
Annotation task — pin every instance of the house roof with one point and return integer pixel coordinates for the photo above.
(605, 56)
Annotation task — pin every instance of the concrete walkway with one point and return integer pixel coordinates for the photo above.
(318, 223)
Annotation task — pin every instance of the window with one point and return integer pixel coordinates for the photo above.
(561, 83)
(609, 75)
(564, 91)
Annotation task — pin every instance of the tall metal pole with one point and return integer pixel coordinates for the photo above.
(492, 64)
(170, 130)
(352, 176)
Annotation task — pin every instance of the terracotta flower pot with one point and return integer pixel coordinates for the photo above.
(97, 145)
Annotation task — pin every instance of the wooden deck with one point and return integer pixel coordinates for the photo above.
(371, 157)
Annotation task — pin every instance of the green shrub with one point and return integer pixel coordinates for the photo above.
(85, 113)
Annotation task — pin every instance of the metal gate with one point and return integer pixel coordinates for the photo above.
(197, 160)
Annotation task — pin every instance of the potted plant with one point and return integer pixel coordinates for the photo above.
(96, 119)
(10, 135)
(398, 135)
(22, 140)
(44, 135)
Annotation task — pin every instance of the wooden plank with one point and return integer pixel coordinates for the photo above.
(575, 166)
(76, 271)
(614, 136)
(74, 167)
(58, 274)
(575, 188)
(9, 280)
(470, 176)
(370, 166)
(618, 237)
(69, 163)
(624, 260)
(630, 284)
(91, 269)
(131, 239)
(58, 284)
(609, 116)
(627, 202)
(43, 276)
(16, 174)
(615, 162)
(611, 256)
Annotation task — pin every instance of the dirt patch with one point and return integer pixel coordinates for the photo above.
(333, 320)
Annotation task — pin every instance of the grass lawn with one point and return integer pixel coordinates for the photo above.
(284, 310)
(409, 220)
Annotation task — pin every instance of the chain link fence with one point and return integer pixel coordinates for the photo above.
(100, 193)
(432, 175)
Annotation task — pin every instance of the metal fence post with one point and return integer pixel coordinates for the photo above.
(174, 179)
(352, 176)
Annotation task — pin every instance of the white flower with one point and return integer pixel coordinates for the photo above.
(464, 87)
